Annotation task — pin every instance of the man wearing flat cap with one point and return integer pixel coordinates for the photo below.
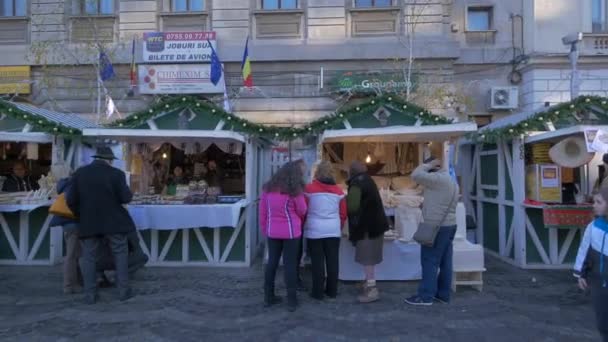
(96, 197)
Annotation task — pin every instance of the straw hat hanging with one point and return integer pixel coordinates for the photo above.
(571, 152)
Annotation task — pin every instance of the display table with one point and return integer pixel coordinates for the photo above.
(401, 261)
(170, 217)
(26, 238)
(194, 235)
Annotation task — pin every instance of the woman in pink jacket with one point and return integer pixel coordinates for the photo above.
(282, 211)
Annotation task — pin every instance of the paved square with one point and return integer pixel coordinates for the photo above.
(211, 304)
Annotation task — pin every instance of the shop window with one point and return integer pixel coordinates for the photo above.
(187, 5)
(479, 18)
(14, 21)
(374, 17)
(373, 3)
(97, 7)
(279, 19)
(184, 15)
(599, 13)
(279, 4)
(13, 8)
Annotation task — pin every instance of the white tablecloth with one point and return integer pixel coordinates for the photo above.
(9, 208)
(401, 261)
(170, 217)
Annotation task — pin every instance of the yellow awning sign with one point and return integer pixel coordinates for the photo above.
(15, 80)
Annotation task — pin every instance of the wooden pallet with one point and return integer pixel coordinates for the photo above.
(473, 278)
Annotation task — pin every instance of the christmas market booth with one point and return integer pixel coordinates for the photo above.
(392, 137)
(532, 179)
(38, 147)
(195, 178)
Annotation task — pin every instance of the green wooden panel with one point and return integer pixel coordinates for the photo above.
(490, 226)
(12, 219)
(175, 251)
(396, 118)
(562, 234)
(9, 124)
(196, 252)
(146, 236)
(490, 193)
(508, 220)
(37, 218)
(536, 218)
(488, 147)
(489, 170)
(199, 122)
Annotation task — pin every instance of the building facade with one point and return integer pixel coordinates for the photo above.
(463, 58)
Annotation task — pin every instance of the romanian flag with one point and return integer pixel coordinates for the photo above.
(246, 67)
(133, 72)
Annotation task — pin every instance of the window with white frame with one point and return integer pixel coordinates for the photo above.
(97, 7)
(598, 16)
(187, 5)
(279, 4)
(373, 3)
(13, 8)
(479, 18)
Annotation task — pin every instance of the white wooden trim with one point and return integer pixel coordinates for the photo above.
(347, 124)
(216, 245)
(488, 153)
(35, 137)
(519, 212)
(219, 125)
(580, 129)
(510, 238)
(143, 245)
(553, 245)
(122, 134)
(490, 187)
(167, 245)
(27, 128)
(480, 195)
(567, 243)
(9, 236)
(493, 201)
(502, 223)
(152, 124)
(38, 242)
(400, 133)
(203, 243)
(539, 246)
(235, 235)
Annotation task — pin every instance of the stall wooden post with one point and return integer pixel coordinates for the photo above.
(518, 180)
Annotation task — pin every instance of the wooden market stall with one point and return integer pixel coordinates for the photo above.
(198, 223)
(48, 143)
(392, 137)
(529, 210)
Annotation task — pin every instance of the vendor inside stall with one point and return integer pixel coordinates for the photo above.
(22, 165)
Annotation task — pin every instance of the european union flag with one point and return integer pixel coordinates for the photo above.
(216, 66)
(106, 70)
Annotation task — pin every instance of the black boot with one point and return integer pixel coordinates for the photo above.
(292, 300)
(270, 298)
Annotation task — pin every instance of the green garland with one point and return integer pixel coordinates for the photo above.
(37, 122)
(563, 112)
(242, 125)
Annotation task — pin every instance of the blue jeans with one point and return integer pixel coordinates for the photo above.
(437, 266)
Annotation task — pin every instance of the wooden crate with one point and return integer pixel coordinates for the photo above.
(473, 278)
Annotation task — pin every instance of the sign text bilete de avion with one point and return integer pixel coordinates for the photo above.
(178, 47)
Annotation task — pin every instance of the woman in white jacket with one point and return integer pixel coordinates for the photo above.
(323, 228)
(591, 266)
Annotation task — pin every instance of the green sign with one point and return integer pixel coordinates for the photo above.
(369, 81)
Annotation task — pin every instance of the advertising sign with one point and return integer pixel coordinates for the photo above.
(370, 81)
(177, 79)
(15, 80)
(178, 47)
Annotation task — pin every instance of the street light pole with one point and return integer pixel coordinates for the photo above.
(574, 78)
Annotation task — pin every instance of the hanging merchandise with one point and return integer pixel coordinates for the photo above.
(32, 151)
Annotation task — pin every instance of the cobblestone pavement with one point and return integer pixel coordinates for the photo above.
(211, 304)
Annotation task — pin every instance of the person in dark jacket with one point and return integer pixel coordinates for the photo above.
(367, 223)
(71, 270)
(137, 257)
(19, 180)
(97, 197)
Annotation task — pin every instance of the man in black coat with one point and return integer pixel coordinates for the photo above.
(96, 197)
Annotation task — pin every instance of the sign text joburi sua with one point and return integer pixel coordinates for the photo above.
(178, 47)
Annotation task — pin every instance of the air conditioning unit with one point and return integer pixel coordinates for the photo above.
(504, 97)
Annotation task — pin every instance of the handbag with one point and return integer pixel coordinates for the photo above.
(426, 233)
(60, 208)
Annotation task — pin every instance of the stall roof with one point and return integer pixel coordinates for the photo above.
(34, 137)
(562, 133)
(400, 133)
(151, 134)
(68, 120)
